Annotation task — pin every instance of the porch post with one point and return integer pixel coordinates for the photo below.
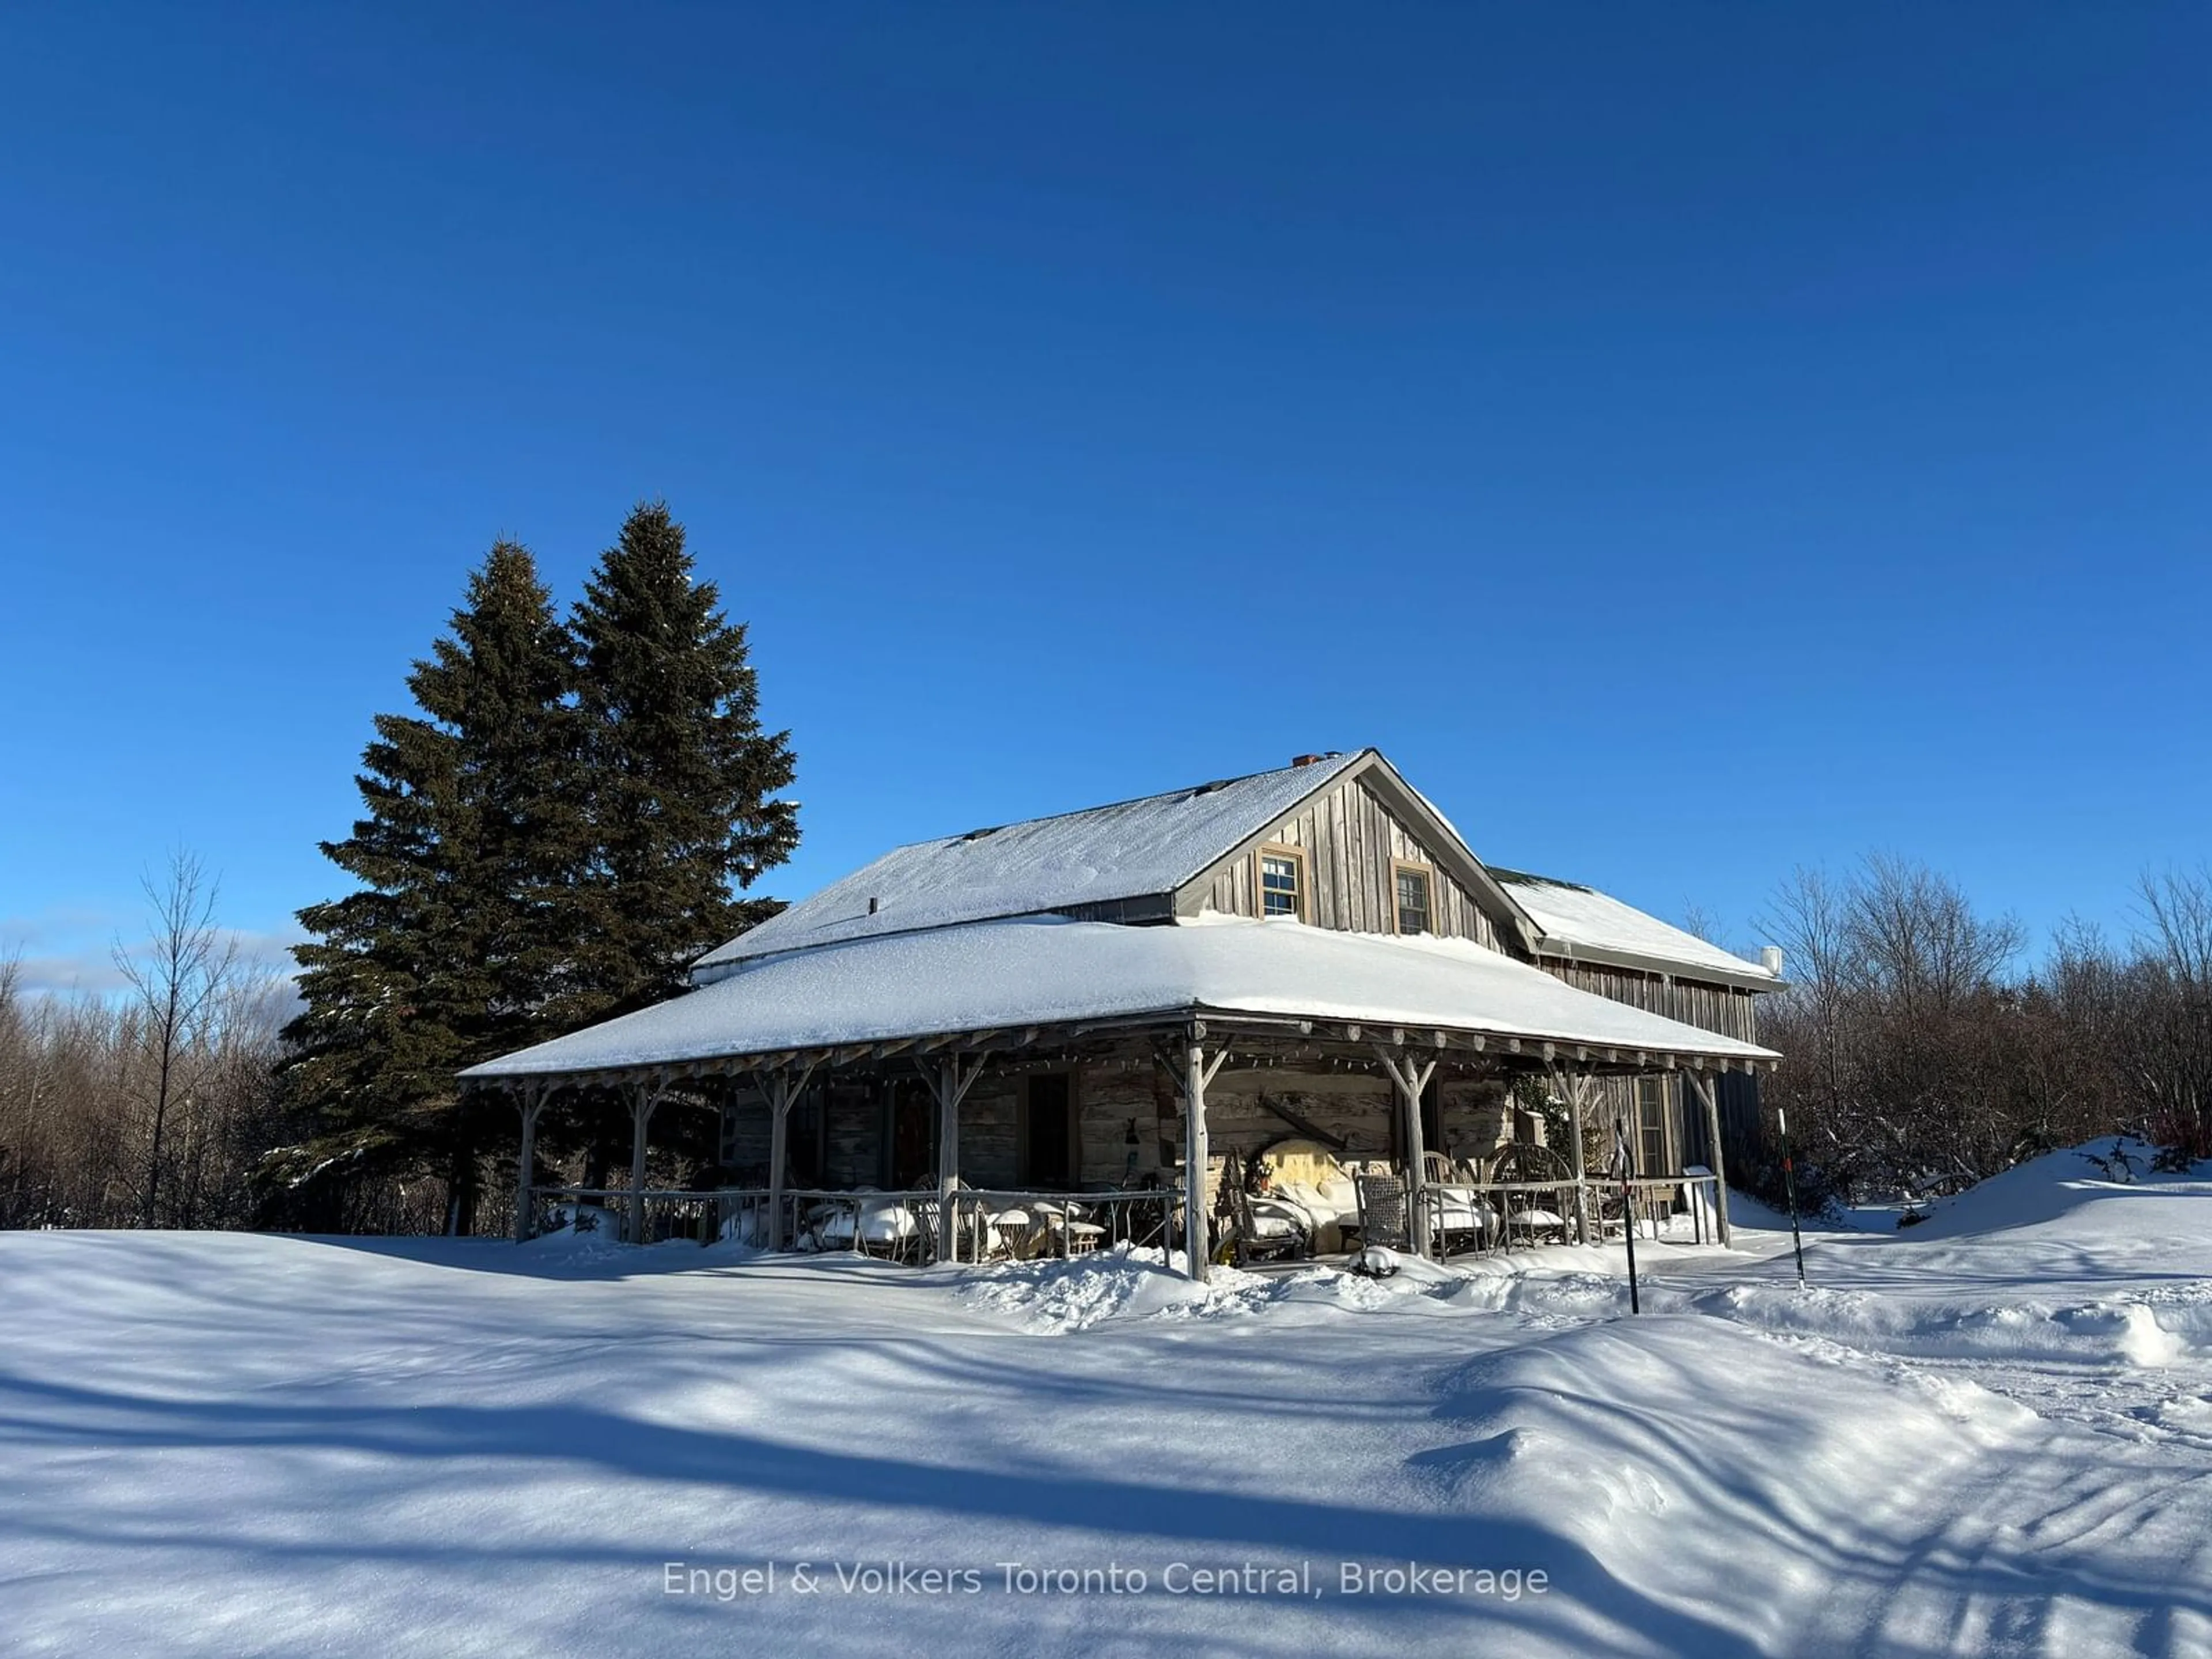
(1195, 1250)
(643, 1099)
(778, 1091)
(949, 1093)
(1574, 1092)
(1408, 1078)
(1709, 1097)
(531, 1100)
(949, 1083)
(1190, 1080)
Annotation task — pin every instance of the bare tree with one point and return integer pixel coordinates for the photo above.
(177, 977)
(1912, 1063)
(2166, 1047)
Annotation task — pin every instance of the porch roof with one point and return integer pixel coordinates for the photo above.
(1578, 921)
(1009, 975)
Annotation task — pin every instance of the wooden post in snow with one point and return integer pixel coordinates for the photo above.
(1197, 1073)
(1573, 1093)
(779, 1151)
(949, 1083)
(781, 1089)
(644, 1098)
(1409, 1077)
(1709, 1099)
(1624, 1155)
(948, 1160)
(533, 1099)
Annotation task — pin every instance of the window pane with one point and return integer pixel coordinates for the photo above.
(1651, 1111)
(1412, 902)
(1278, 885)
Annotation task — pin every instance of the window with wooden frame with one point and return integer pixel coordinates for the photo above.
(1412, 887)
(1651, 1127)
(1281, 882)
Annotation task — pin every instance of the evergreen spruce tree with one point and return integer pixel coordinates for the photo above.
(685, 805)
(455, 947)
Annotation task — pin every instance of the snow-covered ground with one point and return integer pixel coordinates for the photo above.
(1988, 1435)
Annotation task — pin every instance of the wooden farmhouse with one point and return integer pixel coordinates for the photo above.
(1282, 1014)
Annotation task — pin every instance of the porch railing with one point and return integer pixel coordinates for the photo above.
(1003, 1223)
(1509, 1214)
(905, 1226)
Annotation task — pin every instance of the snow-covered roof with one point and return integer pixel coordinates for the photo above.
(1044, 970)
(1133, 849)
(1581, 921)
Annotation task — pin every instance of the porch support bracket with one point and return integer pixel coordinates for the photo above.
(1198, 1072)
(1710, 1099)
(531, 1098)
(1411, 1077)
(1575, 1090)
(644, 1100)
(779, 1087)
(949, 1080)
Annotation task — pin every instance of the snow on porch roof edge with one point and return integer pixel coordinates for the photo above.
(1012, 975)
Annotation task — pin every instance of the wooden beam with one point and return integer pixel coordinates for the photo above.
(951, 1083)
(532, 1099)
(1410, 1077)
(1572, 1092)
(645, 1099)
(1709, 1097)
(1196, 1075)
(1305, 1125)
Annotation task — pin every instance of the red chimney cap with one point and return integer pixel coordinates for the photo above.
(1306, 760)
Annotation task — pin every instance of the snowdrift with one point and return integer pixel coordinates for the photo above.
(1991, 1439)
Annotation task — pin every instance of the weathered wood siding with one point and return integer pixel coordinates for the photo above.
(1617, 1103)
(852, 1132)
(849, 1122)
(1350, 839)
(1709, 1008)
(1356, 1108)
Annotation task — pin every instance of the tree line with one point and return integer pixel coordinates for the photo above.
(571, 811)
(152, 1108)
(576, 807)
(1922, 1054)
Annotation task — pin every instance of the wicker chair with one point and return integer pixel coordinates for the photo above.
(1384, 1217)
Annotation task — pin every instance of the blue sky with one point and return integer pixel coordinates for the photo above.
(1692, 441)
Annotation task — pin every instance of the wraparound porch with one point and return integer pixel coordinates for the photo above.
(1194, 1105)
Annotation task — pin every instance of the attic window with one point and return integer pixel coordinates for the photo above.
(1410, 886)
(1282, 882)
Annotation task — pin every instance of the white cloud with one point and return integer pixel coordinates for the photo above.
(70, 951)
